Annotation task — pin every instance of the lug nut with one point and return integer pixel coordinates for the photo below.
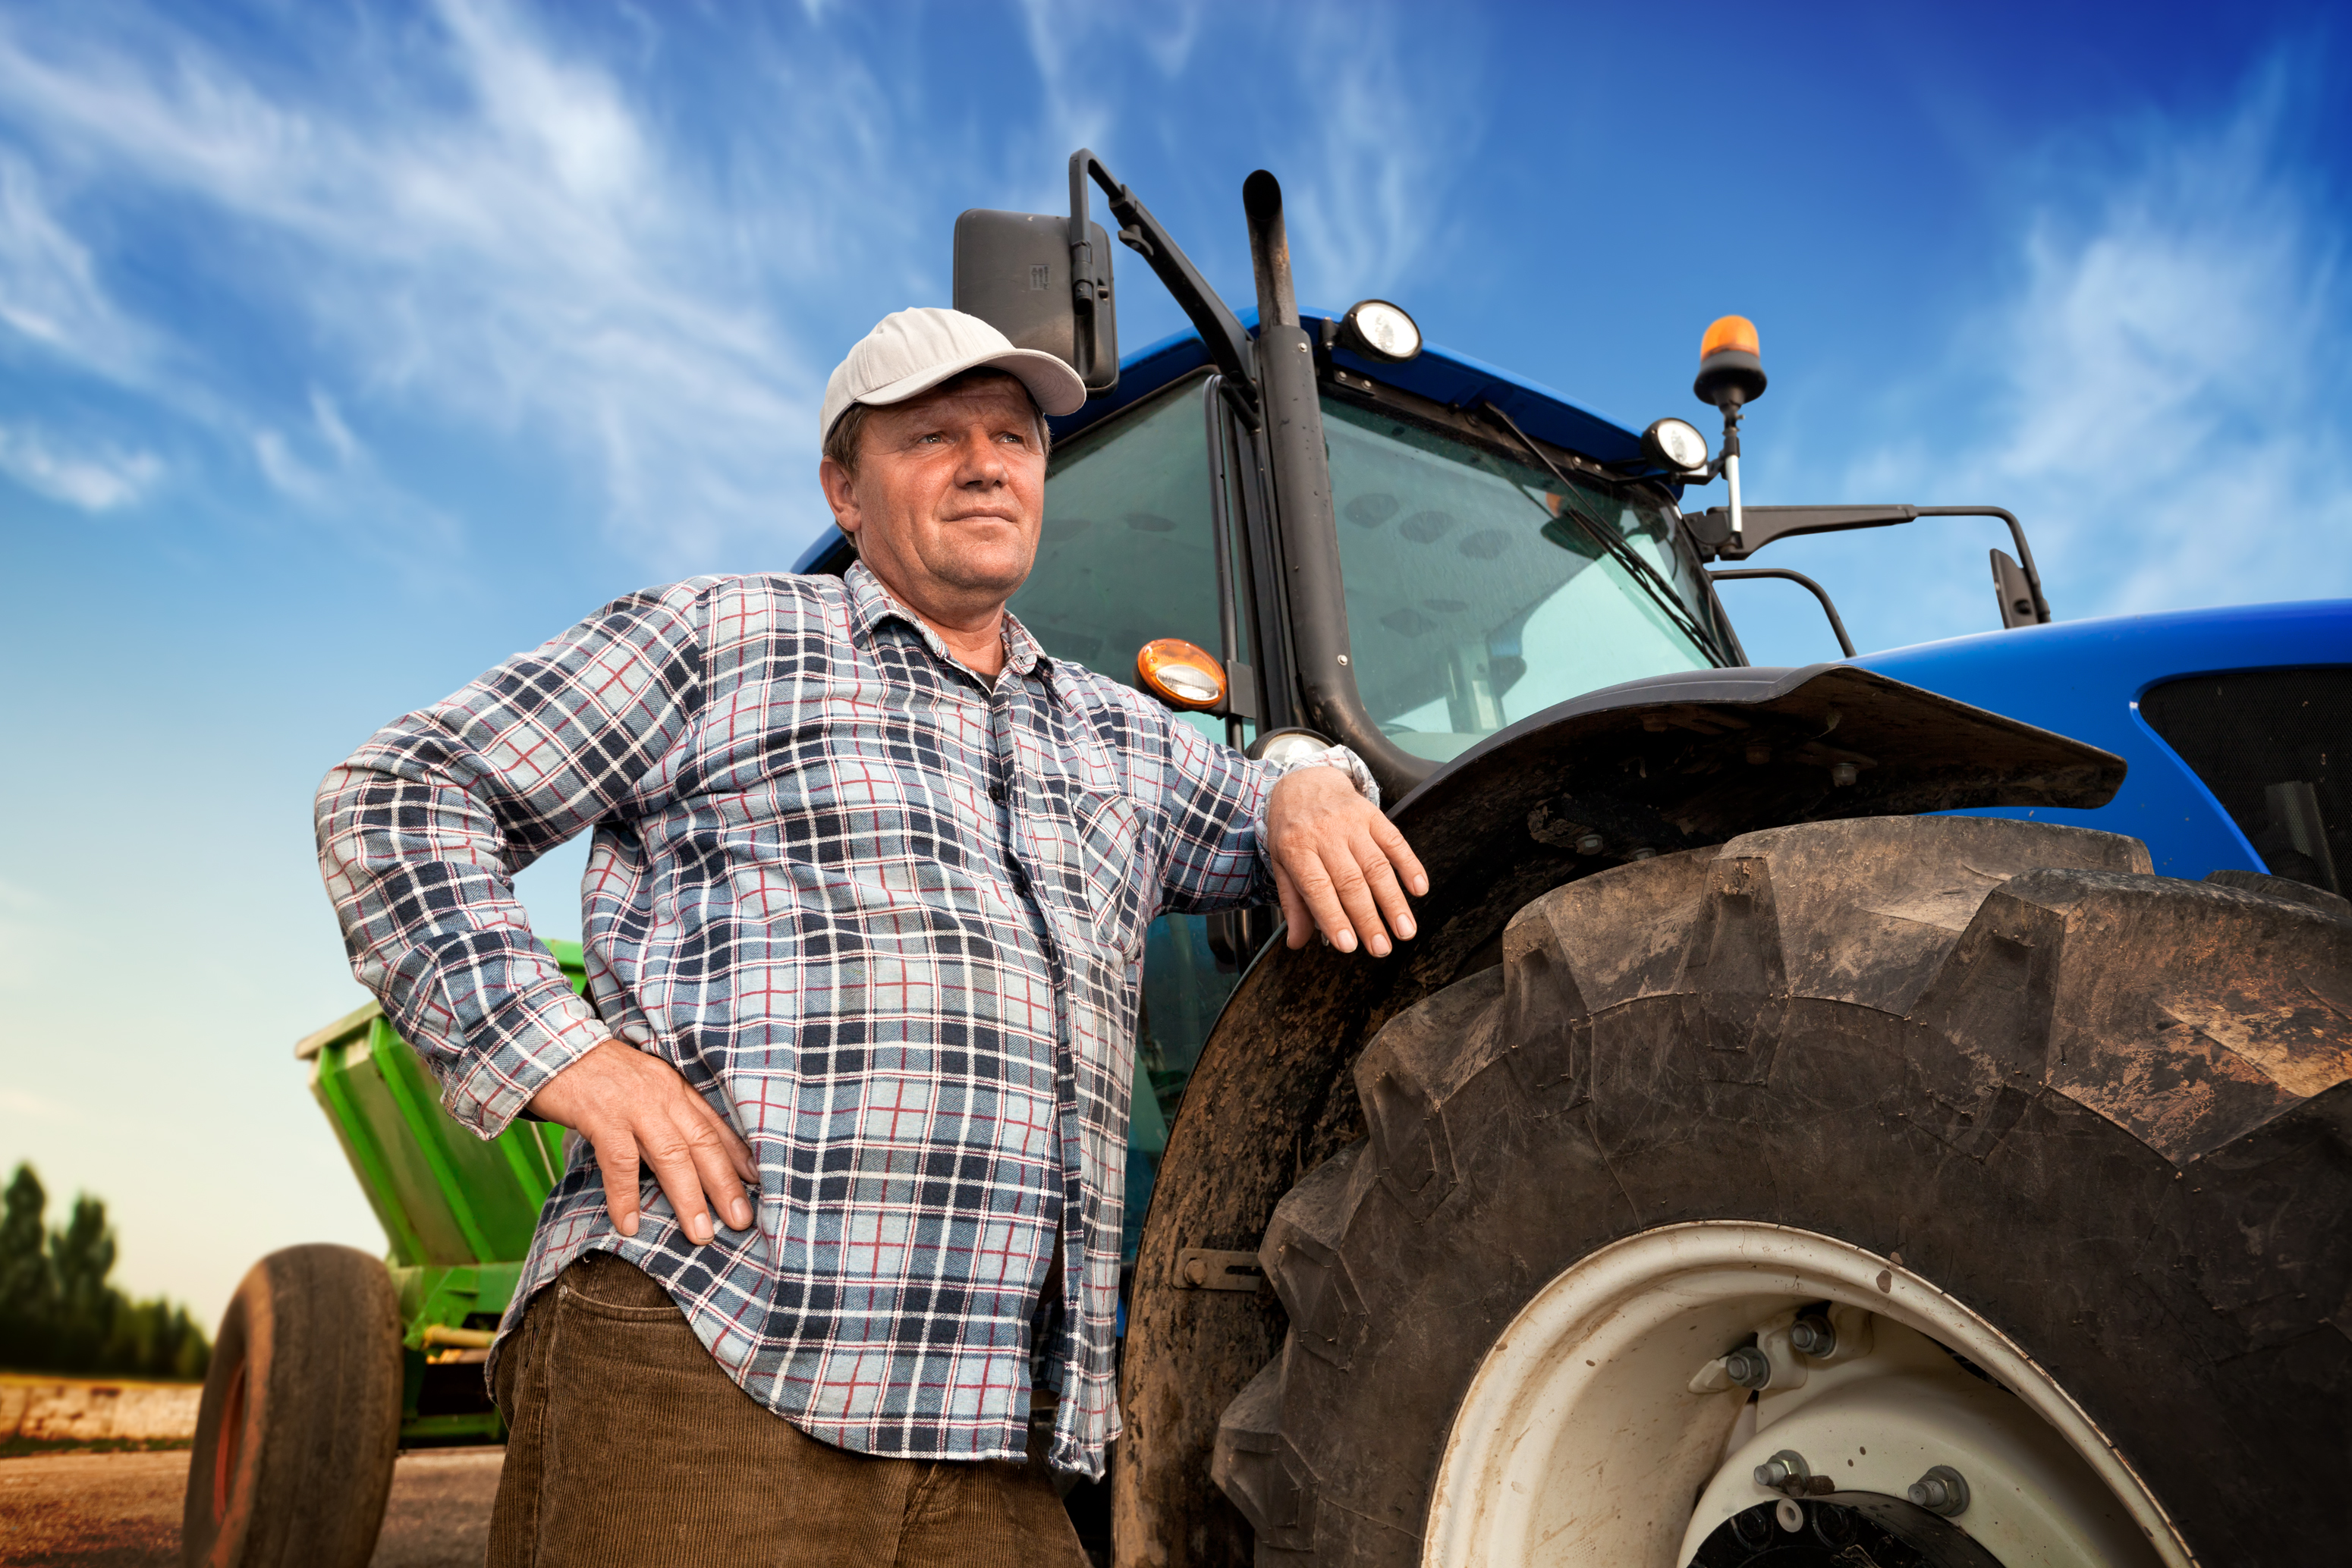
(1759, 755)
(1942, 1490)
(1812, 1336)
(1645, 854)
(1843, 773)
(1784, 1469)
(1749, 1368)
(1591, 844)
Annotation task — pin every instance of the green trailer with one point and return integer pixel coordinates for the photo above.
(329, 1362)
(458, 1212)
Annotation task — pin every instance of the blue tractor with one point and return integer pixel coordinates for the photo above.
(1891, 1110)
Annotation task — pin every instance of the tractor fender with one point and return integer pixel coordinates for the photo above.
(1649, 768)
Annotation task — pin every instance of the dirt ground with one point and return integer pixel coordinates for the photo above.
(122, 1511)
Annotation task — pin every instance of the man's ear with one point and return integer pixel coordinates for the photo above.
(840, 488)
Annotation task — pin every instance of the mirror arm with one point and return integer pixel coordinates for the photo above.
(1084, 296)
(2017, 533)
(1219, 328)
(1711, 530)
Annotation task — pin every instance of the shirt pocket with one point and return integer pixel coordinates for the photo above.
(1094, 865)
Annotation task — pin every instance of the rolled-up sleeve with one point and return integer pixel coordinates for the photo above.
(1216, 812)
(422, 831)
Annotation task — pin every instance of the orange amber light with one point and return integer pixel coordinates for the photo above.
(1179, 674)
(1735, 334)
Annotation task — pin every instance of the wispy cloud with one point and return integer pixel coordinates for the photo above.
(1375, 108)
(474, 221)
(324, 470)
(95, 478)
(50, 297)
(1388, 119)
(532, 258)
(2159, 382)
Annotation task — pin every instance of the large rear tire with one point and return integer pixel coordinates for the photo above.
(2078, 1140)
(300, 1419)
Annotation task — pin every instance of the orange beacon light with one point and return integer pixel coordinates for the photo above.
(1730, 374)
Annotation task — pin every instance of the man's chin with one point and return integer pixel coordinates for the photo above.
(986, 573)
(992, 585)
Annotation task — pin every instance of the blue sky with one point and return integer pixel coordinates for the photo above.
(346, 348)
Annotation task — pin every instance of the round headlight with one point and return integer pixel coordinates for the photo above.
(1289, 745)
(1381, 330)
(1674, 444)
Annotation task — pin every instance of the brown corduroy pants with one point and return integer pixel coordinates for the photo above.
(628, 1445)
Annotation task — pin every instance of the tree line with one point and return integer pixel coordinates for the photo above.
(58, 1313)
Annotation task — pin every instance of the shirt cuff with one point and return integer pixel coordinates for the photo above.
(543, 1032)
(1338, 757)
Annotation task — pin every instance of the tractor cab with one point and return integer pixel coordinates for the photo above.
(1487, 580)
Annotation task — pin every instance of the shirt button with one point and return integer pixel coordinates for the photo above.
(997, 792)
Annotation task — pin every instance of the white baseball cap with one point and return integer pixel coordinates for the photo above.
(911, 351)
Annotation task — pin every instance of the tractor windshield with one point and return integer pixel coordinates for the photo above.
(1476, 593)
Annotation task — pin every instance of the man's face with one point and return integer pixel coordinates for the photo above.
(948, 493)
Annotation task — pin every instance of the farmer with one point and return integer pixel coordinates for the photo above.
(865, 912)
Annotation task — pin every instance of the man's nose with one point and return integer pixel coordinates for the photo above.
(979, 461)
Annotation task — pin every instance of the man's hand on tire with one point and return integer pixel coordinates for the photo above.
(1340, 867)
(634, 1108)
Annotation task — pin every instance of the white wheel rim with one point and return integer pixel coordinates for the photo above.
(1580, 1442)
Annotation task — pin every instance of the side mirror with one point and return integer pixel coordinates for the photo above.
(2014, 590)
(1032, 278)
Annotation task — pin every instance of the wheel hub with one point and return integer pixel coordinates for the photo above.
(1609, 1404)
(1837, 1531)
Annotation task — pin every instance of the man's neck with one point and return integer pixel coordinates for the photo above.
(974, 640)
(981, 653)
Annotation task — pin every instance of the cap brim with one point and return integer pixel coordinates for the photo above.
(1055, 387)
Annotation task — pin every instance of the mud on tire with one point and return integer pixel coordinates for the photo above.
(2107, 1110)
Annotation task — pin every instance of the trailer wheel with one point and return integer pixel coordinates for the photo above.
(1760, 1191)
(300, 1419)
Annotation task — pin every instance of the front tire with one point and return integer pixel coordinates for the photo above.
(300, 1419)
(2081, 1132)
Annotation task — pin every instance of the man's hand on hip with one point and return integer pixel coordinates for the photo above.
(635, 1108)
(1338, 864)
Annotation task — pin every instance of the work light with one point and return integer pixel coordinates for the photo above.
(1292, 745)
(1674, 444)
(1380, 331)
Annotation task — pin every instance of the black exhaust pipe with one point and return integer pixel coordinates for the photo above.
(1293, 411)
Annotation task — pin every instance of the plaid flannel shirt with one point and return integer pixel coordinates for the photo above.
(885, 915)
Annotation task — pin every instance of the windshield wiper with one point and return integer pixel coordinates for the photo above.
(1616, 547)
